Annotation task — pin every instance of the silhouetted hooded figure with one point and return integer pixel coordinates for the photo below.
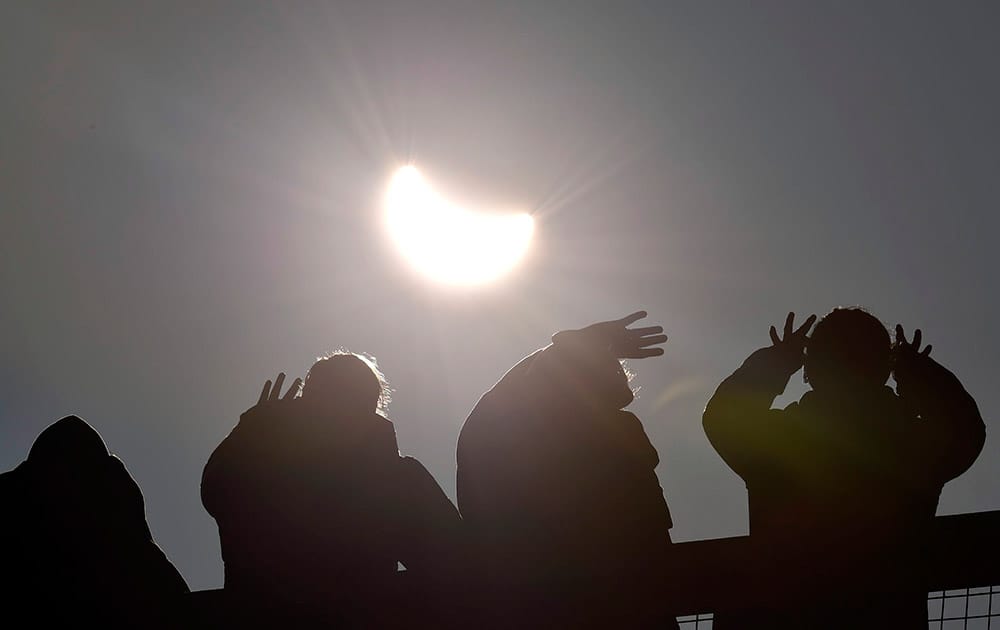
(78, 550)
(557, 488)
(843, 484)
(315, 506)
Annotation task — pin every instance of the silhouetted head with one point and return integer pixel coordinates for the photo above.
(603, 385)
(848, 351)
(70, 442)
(74, 472)
(590, 376)
(348, 382)
(619, 393)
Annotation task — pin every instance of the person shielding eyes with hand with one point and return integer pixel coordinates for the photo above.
(844, 483)
(557, 489)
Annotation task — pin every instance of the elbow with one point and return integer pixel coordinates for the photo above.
(715, 415)
(708, 420)
(979, 439)
(713, 422)
(976, 437)
(968, 445)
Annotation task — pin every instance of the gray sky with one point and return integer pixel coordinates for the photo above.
(189, 202)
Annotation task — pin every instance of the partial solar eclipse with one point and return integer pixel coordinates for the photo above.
(447, 243)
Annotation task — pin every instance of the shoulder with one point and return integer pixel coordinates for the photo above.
(385, 431)
(630, 424)
(791, 410)
(413, 469)
(383, 424)
(494, 420)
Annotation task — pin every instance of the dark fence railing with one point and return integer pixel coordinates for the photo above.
(962, 565)
(724, 575)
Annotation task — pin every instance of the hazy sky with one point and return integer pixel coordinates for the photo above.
(189, 202)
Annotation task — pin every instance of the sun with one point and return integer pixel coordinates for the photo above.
(449, 244)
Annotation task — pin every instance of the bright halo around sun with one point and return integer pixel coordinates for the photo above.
(450, 244)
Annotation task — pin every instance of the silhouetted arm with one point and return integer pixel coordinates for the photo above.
(951, 431)
(738, 419)
(485, 443)
(225, 475)
(511, 383)
(584, 366)
(603, 343)
(505, 450)
(238, 462)
(616, 338)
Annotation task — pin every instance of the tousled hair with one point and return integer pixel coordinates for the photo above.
(849, 344)
(385, 392)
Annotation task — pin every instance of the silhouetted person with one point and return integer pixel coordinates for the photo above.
(556, 486)
(843, 484)
(77, 550)
(315, 506)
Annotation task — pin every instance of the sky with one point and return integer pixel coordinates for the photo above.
(190, 202)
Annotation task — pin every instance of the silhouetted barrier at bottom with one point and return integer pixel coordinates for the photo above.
(733, 575)
(962, 569)
(409, 603)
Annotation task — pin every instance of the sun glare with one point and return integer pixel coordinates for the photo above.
(450, 244)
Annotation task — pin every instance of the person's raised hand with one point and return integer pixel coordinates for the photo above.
(792, 343)
(907, 350)
(635, 343)
(271, 394)
(620, 340)
(907, 355)
(271, 405)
